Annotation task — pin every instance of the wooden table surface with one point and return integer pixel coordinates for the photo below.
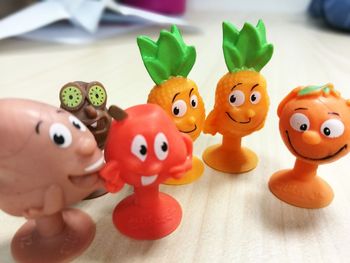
(226, 218)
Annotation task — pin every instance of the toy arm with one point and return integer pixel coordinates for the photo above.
(179, 170)
(110, 174)
(209, 124)
(53, 203)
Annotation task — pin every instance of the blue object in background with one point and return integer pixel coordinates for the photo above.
(335, 12)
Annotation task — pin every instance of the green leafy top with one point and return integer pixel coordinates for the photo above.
(326, 89)
(246, 49)
(167, 57)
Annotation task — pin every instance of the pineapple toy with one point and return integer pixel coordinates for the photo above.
(241, 100)
(168, 62)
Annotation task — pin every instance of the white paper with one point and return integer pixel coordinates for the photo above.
(84, 16)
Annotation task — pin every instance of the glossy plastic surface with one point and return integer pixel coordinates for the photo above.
(241, 99)
(143, 150)
(315, 127)
(52, 163)
(169, 61)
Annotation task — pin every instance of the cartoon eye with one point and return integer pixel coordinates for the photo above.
(236, 98)
(97, 95)
(179, 108)
(255, 97)
(299, 122)
(332, 128)
(139, 147)
(161, 146)
(194, 101)
(77, 123)
(60, 135)
(71, 97)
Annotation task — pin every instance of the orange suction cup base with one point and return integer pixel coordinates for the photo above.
(308, 193)
(28, 246)
(150, 222)
(226, 161)
(191, 176)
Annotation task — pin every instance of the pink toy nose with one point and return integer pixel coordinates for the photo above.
(86, 146)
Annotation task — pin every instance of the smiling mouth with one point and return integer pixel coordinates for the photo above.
(147, 180)
(98, 125)
(195, 128)
(315, 159)
(90, 178)
(242, 122)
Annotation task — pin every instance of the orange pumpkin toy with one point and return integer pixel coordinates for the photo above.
(315, 127)
(241, 100)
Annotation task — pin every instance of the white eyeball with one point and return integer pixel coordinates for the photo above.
(139, 147)
(332, 128)
(236, 98)
(60, 135)
(161, 146)
(194, 101)
(299, 122)
(77, 123)
(179, 108)
(255, 97)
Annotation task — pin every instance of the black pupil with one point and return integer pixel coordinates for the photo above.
(193, 103)
(76, 125)
(164, 147)
(176, 111)
(327, 131)
(253, 97)
(58, 139)
(303, 127)
(232, 98)
(143, 150)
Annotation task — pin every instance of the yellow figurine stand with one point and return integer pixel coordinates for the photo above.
(192, 175)
(230, 157)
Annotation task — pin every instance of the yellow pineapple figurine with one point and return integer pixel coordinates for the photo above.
(168, 62)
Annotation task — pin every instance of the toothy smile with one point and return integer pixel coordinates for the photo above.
(147, 180)
(242, 122)
(95, 166)
(89, 179)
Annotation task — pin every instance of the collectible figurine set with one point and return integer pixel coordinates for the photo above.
(56, 159)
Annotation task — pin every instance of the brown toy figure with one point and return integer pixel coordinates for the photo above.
(87, 101)
(48, 161)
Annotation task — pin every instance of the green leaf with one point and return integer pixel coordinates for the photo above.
(156, 70)
(147, 46)
(167, 57)
(187, 62)
(246, 48)
(232, 58)
(262, 57)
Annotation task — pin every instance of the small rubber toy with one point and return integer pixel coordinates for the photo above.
(315, 127)
(143, 149)
(48, 161)
(241, 100)
(87, 101)
(168, 62)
